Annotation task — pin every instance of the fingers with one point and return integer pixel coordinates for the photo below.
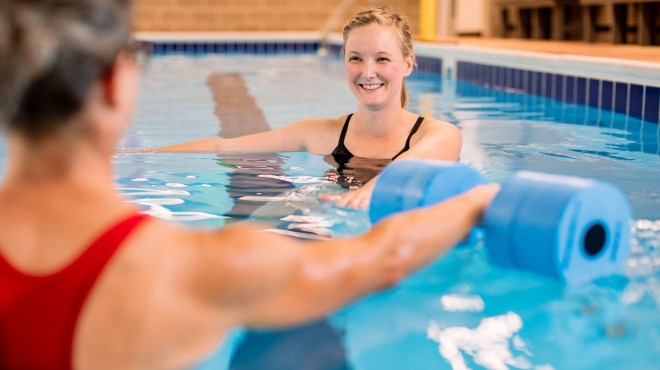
(329, 198)
(358, 199)
(485, 194)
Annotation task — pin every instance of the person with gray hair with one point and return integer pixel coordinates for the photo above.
(86, 280)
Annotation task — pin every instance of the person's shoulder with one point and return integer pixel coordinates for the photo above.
(324, 127)
(434, 122)
(325, 122)
(434, 126)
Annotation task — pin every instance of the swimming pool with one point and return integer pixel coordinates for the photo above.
(460, 312)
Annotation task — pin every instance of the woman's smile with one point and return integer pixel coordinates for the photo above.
(372, 86)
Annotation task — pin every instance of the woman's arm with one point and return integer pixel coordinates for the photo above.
(331, 274)
(296, 136)
(267, 280)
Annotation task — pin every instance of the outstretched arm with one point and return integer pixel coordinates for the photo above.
(296, 136)
(322, 276)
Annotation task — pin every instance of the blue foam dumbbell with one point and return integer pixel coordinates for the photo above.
(567, 228)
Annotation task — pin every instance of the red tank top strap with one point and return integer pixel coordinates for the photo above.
(38, 314)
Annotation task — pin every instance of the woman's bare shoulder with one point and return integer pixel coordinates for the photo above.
(323, 123)
(437, 124)
(321, 134)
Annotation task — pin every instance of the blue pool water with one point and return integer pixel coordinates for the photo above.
(458, 313)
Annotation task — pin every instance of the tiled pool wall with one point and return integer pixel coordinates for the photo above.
(633, 99)
(239, 47)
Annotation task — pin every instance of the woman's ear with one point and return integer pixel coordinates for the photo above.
(410, 64)
(118, 89)
(119, 79)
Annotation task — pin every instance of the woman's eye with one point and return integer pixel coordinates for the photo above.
(354, 59)
(383, 59)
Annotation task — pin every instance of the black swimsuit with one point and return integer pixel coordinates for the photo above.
(361, 169)
(342, 155)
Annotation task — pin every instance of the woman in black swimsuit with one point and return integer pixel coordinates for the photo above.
(378, 54)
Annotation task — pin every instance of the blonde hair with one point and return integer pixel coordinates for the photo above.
(385, 17)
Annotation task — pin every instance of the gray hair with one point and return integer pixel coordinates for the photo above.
(52, 53)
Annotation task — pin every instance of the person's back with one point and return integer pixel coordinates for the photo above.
(146, 309)
(79, 267)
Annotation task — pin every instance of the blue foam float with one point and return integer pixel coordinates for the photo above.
(570, 229)
(410, 183)
(567, 228)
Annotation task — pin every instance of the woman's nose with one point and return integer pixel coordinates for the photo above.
(368, 70)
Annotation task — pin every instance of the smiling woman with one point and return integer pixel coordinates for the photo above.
(378, 56)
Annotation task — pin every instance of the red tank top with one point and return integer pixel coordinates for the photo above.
(38, 314)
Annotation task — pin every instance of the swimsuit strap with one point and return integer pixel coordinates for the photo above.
(412, 132)
(341, 153)
(344, 129)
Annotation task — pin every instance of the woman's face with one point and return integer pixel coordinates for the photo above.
(375, 66)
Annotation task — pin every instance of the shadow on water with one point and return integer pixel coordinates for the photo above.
(316, 346)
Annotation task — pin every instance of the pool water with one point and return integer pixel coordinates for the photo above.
(460, 312)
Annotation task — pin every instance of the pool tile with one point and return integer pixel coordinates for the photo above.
(558, 93)
(594, 93)
(606, 95)
(538, 83)
(547, 85)
(570, 89)
(621, 97)
(635, 101)
(504, 74)
(493, 76)
(517, 79)
(527, 81)
(581, 91)
(652, 104)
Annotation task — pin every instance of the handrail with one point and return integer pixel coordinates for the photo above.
(331, 22)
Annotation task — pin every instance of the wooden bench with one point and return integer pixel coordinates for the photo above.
(538, 19)
(626, 21)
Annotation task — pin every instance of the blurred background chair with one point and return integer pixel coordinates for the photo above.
(621, 21)
(538, 19)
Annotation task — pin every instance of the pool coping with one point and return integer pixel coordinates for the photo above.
(646, 73)
(619, 85)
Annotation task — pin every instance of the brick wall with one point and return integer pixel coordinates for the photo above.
(250, 15)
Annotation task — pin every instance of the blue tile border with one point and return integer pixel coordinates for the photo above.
(232, 47)
(429, 65)
(637, 101)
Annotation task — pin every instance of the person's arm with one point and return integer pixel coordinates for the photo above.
(440, 140)
(277, 281)
(296, 136)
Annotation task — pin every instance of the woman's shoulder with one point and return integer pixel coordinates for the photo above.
(329, 123)
(320, 126)
(320, 134)
(437, 123)
(434, 126)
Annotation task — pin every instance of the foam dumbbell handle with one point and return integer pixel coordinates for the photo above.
(410, 183)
